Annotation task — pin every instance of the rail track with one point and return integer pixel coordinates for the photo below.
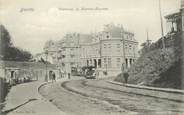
(102, 93)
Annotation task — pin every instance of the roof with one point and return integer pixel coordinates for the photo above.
(116, 31)
(85, 38)
(173, 15)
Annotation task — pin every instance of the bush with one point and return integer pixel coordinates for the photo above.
(120, 78)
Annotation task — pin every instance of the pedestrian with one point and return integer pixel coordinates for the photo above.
(68, 75)
(54, 76)
(126, 75)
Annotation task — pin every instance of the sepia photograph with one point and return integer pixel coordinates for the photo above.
(91, 57)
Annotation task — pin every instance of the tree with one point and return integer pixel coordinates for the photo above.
(8, 51)
(5, 40)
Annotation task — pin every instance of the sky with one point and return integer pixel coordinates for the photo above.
(32, 22)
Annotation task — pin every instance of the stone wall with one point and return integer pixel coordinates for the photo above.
(33, 70)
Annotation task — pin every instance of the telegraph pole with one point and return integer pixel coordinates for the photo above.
(46, 76)
(148, 40)
(162, 30)
(147, 35)
(100, 42)
(123, 64)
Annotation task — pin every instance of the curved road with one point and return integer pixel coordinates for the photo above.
(81, 97)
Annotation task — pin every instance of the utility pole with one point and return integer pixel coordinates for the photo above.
(162, 30)
(46, 76)
(147, 37)
(100, 42)
(123, 39)
(78, 51)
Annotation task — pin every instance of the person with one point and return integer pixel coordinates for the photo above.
(126, 75)
(68, 75)
(54, 76)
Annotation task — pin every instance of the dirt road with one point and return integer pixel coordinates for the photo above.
(83, 97)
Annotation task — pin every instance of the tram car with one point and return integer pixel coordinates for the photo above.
(90, 73)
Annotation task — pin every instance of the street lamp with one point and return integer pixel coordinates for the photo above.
(46, 75)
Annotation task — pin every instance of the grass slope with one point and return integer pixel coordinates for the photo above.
(158, 67)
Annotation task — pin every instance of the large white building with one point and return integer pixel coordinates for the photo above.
(110, 49)
(106, 50)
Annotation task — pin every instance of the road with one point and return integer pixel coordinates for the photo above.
(81, 97)
(24, 99)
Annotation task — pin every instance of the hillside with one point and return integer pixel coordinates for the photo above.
(158, 67)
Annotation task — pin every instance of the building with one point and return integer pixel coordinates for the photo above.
(106, 50)
(175, 20)
(50, 53)
(109, 49)
(68, 52)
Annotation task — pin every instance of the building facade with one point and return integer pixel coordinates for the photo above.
(106, 50)
(109, 49)
(68, 55)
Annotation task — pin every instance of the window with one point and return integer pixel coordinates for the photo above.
(72, 56)
(109, 62)
(109, 45)
(72, 63)
(63, 64)
(59, 57)
(107, 35)
(104, 45)
(126, 46)
(127, 36)
(105, 60)
(105, 63)
(130, 47)
(118, 45)
(118, 62)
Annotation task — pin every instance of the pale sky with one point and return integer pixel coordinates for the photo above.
(45, 20)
